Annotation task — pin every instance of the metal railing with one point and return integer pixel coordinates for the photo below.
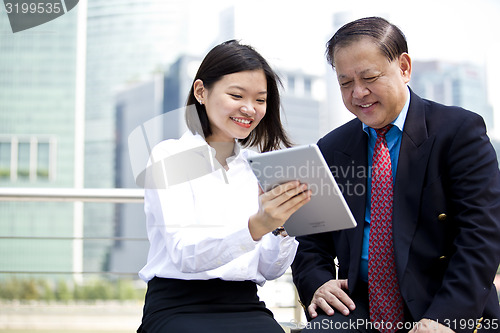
(115, 195)
(77, 196)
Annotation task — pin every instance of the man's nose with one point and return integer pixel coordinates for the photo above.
(359, 91)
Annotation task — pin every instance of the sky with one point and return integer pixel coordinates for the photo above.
(293, 34)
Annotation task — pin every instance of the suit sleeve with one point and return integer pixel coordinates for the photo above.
(313, 264)
(473, 181)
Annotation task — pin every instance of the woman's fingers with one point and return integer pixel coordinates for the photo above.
(285, 192)
(282, 188)
(286, 197)
(292, 204)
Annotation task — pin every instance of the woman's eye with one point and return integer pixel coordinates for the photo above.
(235, 95)
(261, 100)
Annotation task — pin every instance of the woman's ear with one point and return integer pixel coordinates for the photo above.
(199, 91)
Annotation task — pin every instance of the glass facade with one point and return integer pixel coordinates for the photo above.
(459, 84)
(126, 40)
(37, 102)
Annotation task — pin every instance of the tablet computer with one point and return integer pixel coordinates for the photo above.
(327, 210)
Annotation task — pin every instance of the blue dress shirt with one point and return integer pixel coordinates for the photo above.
(393, 138)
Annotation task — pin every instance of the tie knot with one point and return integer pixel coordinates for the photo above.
(382, 131)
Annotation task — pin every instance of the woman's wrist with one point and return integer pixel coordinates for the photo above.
(256, 229)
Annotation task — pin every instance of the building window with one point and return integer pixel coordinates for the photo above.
(307, 86)
(27, 158)
(23, 160)
(43, 160)
(291, 83)
(5, 153)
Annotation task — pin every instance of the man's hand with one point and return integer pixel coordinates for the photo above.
(428, 326)
(330, 296)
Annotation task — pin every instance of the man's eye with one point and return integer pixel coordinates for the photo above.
(371, 78)
(345, 84)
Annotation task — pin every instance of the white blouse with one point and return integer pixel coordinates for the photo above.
(197, 220)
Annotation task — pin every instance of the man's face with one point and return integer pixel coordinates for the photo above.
(372, 88)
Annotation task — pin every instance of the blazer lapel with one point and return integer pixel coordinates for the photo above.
(414, 154)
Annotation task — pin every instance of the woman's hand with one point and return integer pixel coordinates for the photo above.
(276, 206)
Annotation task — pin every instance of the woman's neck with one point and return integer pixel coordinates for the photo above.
(223, 150)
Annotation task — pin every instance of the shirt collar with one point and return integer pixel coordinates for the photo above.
(399, 122)
(198, 140)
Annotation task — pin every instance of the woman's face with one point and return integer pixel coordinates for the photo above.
(235, 104)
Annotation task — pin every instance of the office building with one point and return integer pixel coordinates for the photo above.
(457, 84)
(37, 143)
(301, 112)
(126, 41)
(38, 67)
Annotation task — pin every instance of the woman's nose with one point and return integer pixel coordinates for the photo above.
(248, 109)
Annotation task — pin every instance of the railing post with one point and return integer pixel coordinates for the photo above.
(78, 241)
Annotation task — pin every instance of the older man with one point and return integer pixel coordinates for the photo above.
(427, 245)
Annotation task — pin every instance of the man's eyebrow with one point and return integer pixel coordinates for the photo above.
(369, 70)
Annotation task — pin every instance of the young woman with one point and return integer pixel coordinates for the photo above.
(211, 231)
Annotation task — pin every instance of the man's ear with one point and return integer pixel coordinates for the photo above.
(405, 66)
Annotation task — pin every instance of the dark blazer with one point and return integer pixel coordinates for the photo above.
(446, 215)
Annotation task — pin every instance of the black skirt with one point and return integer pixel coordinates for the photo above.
(184, 306)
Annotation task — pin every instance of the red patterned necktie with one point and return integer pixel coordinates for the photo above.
(386, 305)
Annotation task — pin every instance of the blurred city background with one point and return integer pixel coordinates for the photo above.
(72, 90)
